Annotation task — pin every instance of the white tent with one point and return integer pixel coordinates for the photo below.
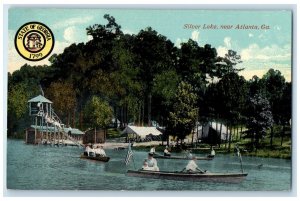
(214, 125)
(142, 132)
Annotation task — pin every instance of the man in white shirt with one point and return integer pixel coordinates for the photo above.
(193, 167)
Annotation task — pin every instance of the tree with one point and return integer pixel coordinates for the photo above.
(230, 100)
(184, 113)
(98, 113)
(154, 53)
(63, 96)
(260, 118)
(274, 84)
(18, 95)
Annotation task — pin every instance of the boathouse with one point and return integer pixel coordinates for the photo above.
(46, 126)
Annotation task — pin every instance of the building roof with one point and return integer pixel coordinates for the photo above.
(141, 131)
(39, 98)
(74, 131)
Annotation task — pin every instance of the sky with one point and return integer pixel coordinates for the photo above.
(267, 47)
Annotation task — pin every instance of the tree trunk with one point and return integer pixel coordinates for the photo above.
(126, 116)
(149, 109)
(282, 135)
(116, 119)
(229, 142)
(68, 120)
(143, 113)
(271, 138)
(220, 134)
(226, 137)
(197, 134)
(139, 117)
(241, 132)
(80, 119)
(74, 118)
(95, 136)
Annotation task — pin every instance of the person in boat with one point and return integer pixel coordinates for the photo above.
(92, 151)
(166, 152)
(189, 155)
(100, 151)
(152, 163)
(152, 150)
(212, 153)
(192, 166)
(87, 150)
(145, 166)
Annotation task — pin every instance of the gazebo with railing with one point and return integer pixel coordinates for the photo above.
(46, 126)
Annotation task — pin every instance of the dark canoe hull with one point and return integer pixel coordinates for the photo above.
(207, 177)
(103, 159)
(180, 157)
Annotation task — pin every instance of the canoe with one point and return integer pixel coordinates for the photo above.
(96, 158)
(185, 176)
(180, 157)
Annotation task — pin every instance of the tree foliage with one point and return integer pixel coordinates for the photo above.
(183, 116)
(260, 117)
(98, 113)
(138, 78)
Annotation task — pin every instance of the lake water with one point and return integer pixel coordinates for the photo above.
(40, 167)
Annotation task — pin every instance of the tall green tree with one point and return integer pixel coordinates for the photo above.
(154, 53)
(184, 113)
(63, 96)
(18, 95)
(260, 118)
(274, 84)
(98, 113)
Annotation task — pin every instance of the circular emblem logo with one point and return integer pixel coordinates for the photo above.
(34, 41)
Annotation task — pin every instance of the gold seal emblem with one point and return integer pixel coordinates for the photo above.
(34, 41)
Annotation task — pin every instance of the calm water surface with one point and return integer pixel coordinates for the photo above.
(60, 168)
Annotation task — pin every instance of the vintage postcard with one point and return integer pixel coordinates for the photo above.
(149, 99)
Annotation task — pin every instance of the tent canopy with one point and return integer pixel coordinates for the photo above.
(141, 131)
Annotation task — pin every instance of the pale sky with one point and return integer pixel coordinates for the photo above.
(260, 49)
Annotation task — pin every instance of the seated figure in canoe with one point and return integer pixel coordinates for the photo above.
(192, 167)
(99, 151)
(212, 153)
(166, 152)
(89, 151)
(151, 163)
(152, 150)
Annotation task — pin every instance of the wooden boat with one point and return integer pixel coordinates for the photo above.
(96, 158)
(180, 157)
(208, 177)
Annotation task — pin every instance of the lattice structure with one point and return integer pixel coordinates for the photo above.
(47, 128)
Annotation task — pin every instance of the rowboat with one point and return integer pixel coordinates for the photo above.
(96, 158)
(180, 157)
(186, 176)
